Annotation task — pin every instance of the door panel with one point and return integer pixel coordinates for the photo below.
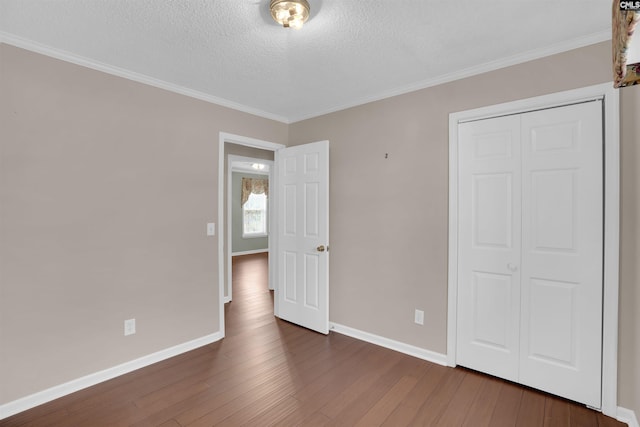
(290, 293)
(552, 336)
(302, 291)
(562, 237)
(553, 210)
(488, 290)
(311, 285)
(492, 298)
(289, 211)
(491, 211)
(311, 211)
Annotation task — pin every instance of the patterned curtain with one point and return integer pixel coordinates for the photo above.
(253, 185)
(623, 25)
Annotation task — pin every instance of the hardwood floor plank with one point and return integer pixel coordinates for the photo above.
(227, 386)
(406, 366)
(317, 420)
(275, 413)
(349, 395)
(343, 367)
(277, 388)
(172, 395)
(270, 372)
(366, 380)
(256, 409)
(51, 419)
(109, 415)
(484, 404)
(316, 394)
(466, 394)
(582, 416)
(408, 408)
(604, 421)
(531, 413)
(388, 403)
(226, 395)
(556, 412)
(507, 407)
(430, 412)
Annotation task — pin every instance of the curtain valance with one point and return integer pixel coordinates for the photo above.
(254, 185)
(624, 24)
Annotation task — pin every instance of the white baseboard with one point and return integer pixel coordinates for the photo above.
(627, 416)
(8, 409)
(72, 386)
(420, 353)
(227, 299)
(255, 251)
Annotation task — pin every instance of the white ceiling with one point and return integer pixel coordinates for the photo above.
(350, 51)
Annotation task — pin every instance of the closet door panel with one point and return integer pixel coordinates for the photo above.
(489, 246)
(562, 238)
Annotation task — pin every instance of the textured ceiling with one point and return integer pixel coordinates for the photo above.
(348, 53)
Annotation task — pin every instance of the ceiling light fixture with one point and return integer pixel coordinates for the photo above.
(290, 13)
(258, 166)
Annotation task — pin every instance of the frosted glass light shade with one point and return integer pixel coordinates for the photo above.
(290, 13)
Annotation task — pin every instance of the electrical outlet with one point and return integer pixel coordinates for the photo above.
(129, 327)
(419, 317)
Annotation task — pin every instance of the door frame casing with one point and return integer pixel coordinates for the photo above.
(611, 135)
(223, 139)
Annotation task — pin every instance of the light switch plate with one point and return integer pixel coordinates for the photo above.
(211, 229)
(129, 327)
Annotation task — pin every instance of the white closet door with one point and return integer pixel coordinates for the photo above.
(562, 241)
(530, 249)
(489, 246)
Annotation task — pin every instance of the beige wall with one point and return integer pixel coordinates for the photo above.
(106, 186)
(389, 215)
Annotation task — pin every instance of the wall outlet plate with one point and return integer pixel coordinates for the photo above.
(419, 317)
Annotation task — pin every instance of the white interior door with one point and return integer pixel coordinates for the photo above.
(302, 290)
(489, 249)
(562, 244)
(530, 249)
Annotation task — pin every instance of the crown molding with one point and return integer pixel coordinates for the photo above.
(43, 49)
(446, 78)
(468, 72)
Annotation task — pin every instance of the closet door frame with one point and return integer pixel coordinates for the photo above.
(611, 135)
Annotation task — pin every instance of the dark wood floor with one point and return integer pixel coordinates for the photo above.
(269, 372)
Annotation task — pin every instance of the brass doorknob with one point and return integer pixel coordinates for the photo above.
(320, 248)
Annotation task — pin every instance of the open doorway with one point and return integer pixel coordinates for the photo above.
(252, 305)
(300, 236)
(235, 147)
(248, 210)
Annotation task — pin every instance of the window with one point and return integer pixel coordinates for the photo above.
(254, 216)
